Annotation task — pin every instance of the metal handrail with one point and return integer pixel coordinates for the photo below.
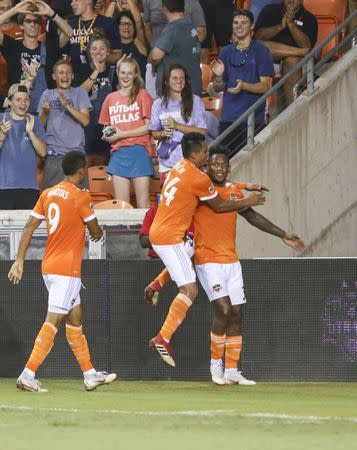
(307, 61)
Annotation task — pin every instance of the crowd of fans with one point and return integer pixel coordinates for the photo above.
(116, 79)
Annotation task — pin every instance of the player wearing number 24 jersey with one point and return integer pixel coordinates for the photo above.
(67, 211)
(185, 187)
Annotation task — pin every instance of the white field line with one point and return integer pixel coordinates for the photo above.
(196, 413)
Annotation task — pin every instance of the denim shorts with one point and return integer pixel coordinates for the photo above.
(131, 162)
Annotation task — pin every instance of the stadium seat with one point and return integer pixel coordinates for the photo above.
(206, 76)
(113, 204)
(98, 197)
(326, 26)
(100, 181)
(332, 8)
(213, 104)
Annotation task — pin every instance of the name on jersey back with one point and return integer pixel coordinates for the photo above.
(58, 192)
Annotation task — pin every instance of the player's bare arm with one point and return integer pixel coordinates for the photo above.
(262, 223)
(95, 231)
(218, 204)
(15, 273)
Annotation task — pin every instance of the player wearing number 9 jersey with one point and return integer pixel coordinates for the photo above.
(67, 211)
(185, 187)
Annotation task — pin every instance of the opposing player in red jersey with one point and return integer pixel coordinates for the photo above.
(184, 188)
(219, 270)
(67, 211)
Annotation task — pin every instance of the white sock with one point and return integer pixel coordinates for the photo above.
(29, 372)
(230, 370)
(89, 373)
(216, 362)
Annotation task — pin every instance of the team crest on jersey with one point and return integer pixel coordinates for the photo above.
(233, 196)
(217, 287)
(211, 189)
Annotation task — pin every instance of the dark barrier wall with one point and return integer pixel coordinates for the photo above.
(300, 322)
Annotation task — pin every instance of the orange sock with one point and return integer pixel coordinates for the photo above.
(233, 349)
(217, 345)
(78, 343)
(42, 347)
(163, 277)
(176, 315)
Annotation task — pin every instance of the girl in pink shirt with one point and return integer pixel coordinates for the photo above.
(126, 115)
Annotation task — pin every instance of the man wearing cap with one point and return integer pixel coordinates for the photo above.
(22, 139)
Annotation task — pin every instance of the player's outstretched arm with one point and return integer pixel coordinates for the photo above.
(95, 231)
(262, 223)
(15, 273)
(218, 204)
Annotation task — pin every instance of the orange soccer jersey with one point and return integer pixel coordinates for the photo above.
(215, 233)
(185, 186)
(66, 208)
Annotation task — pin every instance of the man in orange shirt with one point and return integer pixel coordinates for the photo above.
(67, 211)
(219, 269)
(184, 188)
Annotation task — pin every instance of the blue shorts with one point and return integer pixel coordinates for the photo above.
(131, 162)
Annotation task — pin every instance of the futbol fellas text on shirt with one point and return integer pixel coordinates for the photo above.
(120, 113)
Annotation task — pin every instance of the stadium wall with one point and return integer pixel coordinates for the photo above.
(307, 157)
(300, 322)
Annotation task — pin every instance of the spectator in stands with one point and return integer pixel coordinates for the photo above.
(256, 6)
(177, 43)
(10, 28)
(289, 31)
(126, 114)
(155, 20)
(174, 114)
(29, 57)
(22, 137)
(244, 72)
(131, 33)
(218, 17)
(101, 81)
(85, 22)
(65, 112)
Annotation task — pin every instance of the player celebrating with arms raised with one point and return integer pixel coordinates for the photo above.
(67, 212)
(219, 269)
(184, 188)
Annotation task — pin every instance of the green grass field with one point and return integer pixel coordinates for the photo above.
(179, 416)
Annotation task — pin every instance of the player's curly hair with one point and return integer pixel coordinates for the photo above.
(186, 94)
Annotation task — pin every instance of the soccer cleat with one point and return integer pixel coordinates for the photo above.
(91, 382)
(233, 376)
(217, 372)
(163, 348)
(27, 383)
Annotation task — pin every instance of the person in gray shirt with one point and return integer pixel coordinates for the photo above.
(177, 43)
(65, 112)
(155, 20)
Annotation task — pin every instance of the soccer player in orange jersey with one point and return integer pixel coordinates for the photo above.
(219, 269)
(67, 211)
(184, 188)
